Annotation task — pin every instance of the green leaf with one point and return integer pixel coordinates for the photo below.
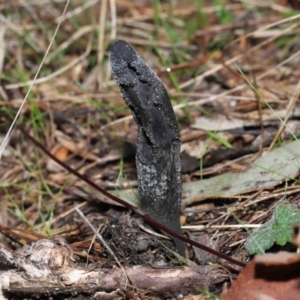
(278, 229)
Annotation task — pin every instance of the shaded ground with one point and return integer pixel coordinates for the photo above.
(233, 84)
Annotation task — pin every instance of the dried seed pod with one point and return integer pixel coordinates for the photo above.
(158, 145)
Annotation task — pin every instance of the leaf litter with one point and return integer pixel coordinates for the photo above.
(71, 110)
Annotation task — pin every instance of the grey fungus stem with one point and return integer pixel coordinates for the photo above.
(158, 144)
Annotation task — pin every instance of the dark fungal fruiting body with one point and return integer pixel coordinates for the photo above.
(158, 145)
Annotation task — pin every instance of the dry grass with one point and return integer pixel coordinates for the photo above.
(239, 59)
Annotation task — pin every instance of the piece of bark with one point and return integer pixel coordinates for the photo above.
(158, 145)
(47, 267)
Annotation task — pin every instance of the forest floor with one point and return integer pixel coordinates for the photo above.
(230, 68)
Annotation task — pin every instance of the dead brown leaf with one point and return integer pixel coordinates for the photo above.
(269, 276)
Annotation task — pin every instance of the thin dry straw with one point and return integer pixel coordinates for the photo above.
(8, 135)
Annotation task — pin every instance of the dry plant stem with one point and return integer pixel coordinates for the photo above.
(270, 196)
(102, 241)
(77, 10)
(113, 33)
(56, 73)
(236, 25)
(124, 203)
(290, 107)
(16, 30)
(183, 11)
(2, 51)
(264, 28)
(92, 243)
(113, 16)
(235, 89)
(74, 37)
(101, 29)
(201, 227)
(7, 136)
(236, 58)
(258, 100)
